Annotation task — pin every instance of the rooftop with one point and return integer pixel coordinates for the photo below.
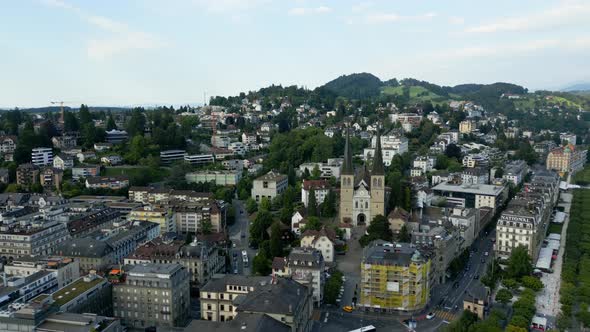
(384, 253)
(73, 290)
(479, 189)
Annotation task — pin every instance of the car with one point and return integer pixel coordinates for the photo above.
(233, 245)
(241, 211)
(430, 315)
(486, 253)
(243, 235)
(476, 276)
(343, 278)
(347, 308)
(235, 271)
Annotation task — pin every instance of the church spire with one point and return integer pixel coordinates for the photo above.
(378, 158)
(347, 166)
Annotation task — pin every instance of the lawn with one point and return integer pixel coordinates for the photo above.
(583, 176)
(554, 228)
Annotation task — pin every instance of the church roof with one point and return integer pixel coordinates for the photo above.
(378, 159)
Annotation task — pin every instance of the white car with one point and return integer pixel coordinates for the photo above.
(430, 315)
(486, 253)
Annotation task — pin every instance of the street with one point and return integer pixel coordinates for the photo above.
(239, 235)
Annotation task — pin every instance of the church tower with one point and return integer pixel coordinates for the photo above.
(346, 183)
(377, 182)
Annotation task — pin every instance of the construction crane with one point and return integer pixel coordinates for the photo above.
(61, 105)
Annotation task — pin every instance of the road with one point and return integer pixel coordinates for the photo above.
(239, 235)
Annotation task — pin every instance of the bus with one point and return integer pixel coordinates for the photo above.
(369, 328)
(245, 258)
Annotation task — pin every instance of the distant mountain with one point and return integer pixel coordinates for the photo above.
(578, 87)
(355, 86)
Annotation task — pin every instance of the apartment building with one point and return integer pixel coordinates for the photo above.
(85, 171)
(323, 240)
(66, 270)
(27, 174)
(475, 175)
(201, 259)
(160, 215)
(107, 182)
(190, 216)
(8, 144)
(269, 185)
(467, 126)
(566, 159)
(51, 177)
(115, 136)
(284, 300)
(42, 156)
(153, 295)
(167, 157)
(472, 196)
(199, 159)
(90, 293)
(321, 190)
(515, 171)
(475, 160)
(329, 169)
(526, 219)
(394, 277)
(18, 240)
(306, 266)
(63, 161)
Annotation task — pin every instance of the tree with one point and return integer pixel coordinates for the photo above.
(111, 123)
(261, 265)
(265, 204)
(378, 229)
(206, 227)
(499, 173)
(329, 205)
(276, 243)
(189, 238)
(407, 199)
(453, 151)
(292, 176)
(316, 173)
(404, 235)
(503, 296)
(259, 226)
(512, 328)
(533, 283)
(313, 223)
(84, 115)
(312, 204)
(136, 125)
(251, 205)
(519, 263)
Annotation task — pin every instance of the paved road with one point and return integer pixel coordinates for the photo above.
(239, 235)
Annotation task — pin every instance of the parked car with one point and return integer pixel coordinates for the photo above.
(430, 315)
(347, 308)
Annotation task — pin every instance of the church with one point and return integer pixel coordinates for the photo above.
(363, 194)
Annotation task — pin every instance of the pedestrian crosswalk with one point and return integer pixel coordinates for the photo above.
(445, 315)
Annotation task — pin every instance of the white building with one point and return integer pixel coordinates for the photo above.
(320, 187)
(42, 156)
(248, 138)
(425, 163)
(392, 143)
(515, 171)
(199, 159)
(322, 240)
(329, 169)
(238, 148)
(63, 161)
(569, 138)
(269, 185)
(220, 141)
(170, 156)
(306, 266)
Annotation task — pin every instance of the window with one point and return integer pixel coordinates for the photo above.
(265, 184)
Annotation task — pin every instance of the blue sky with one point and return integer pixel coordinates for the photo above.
(172, 52)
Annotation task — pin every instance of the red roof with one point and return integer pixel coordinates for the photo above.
(315, 184)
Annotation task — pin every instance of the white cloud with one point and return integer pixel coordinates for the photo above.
(516, 49)
(121, 39)
(568, 13)
(300, 11)
(456, 20)
(379, 18)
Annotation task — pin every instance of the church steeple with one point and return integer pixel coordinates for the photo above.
(378, 159)
(347, 166)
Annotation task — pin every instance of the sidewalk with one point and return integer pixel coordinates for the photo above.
(547, 301)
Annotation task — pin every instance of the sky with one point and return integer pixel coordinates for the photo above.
(131, 52)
